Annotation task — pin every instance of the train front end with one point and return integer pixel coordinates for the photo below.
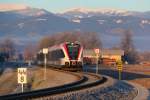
(74, 56)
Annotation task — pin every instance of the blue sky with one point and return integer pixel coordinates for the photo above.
(61, 5)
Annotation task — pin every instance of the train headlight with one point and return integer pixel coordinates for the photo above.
(79, 63)
(66, 63)
(73, 63)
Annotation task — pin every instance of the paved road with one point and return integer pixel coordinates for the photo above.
(114, 73)
(13, 64)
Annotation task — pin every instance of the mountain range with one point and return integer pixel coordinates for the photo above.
(28, 25)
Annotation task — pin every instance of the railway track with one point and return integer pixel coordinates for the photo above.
(87, 80)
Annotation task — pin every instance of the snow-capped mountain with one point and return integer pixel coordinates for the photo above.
(78, 13)
(31, 12)
(85, 12)
(22, 10)
(30, 24)
(100, 10)
(11, 7)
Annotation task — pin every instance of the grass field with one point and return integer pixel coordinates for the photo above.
(35, 80)
(137, 70)
(140, 69)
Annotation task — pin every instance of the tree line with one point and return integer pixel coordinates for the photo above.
(130, 53)
(7, 50)
(89, 40)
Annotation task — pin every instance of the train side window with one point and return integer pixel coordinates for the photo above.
(41, 57)
(49, 56)
(61, 54)
(53, 55)
(57, 54)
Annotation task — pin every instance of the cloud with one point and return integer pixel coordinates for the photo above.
(9, 7)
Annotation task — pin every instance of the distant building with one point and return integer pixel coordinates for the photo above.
(111, 56)
(106, 56)
(89, 53)
(89, 56)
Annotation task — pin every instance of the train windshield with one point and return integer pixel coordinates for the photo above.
(73, 50)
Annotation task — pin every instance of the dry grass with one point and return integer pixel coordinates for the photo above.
(53, 78)
(143, 81)
(142, 69)
(8, 80)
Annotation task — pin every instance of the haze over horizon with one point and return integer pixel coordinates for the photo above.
(57, 6)
(51, 17)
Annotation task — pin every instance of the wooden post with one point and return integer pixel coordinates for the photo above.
(22, 87)
(119, 75)
(97, 67)
(45, 61)
(120, 67)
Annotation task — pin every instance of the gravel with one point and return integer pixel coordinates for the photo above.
(118, 90)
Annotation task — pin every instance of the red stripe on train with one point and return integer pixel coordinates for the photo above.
(79, 53)
(66, 50)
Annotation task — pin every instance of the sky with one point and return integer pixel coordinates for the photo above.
(62, 5)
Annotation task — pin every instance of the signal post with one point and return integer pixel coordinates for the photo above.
(120, 68)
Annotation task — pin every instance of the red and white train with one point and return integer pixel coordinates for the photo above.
(67, 56)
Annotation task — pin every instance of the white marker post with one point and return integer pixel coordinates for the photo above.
(97, 51)
(45, 51)
(22, 76)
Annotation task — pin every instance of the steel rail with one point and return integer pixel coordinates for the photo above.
(55, 90)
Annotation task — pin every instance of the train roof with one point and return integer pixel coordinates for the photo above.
(55, 47)
(59, 46)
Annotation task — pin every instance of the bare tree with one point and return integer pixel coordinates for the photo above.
(47, 41)
(29, 52)
(91, 40)
(8, 47)
(130, 54)
(87, 39)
